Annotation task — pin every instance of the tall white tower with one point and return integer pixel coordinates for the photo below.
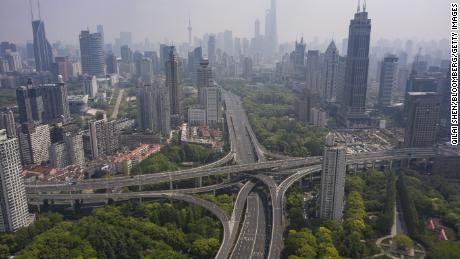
(14, 213)
(189, 28)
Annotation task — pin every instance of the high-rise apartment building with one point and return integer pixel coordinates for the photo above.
(422, 114)
(92, 53)
(333, 179)
(34, 142)
(104, 138)
(388, 80)
(42, 48)
(153, 109)
(68, 152)
(7, 123)
(30, 103)
(211, 103)
(14, 212)
(353, 108)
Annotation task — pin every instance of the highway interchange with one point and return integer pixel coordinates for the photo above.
(256, 226)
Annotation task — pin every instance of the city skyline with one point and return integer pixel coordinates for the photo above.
(295, 19)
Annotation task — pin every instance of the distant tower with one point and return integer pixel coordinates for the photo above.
(189, 28)
(257, 28)
(42, 48)
(352, 112)
(330, 74)
(212, 49)
(333, 179)
(203, 75)
(172, 80)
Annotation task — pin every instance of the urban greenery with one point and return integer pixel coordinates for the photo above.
(147, 230)
(170, 157)
(271, 113)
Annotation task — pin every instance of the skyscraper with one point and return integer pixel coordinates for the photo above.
(212, 50)
(172, 81)
(333, 179)
(388, 80)
(111, 63)
(352, 112)
(56, 105)
(42, 48)
(7, 123)
(203, 75)
(298, 58)
(228, 42)
(271, 31)
(14, 213)
(126, 54)
(153, 109)
(422, 113)
(211, 103)
(313, 74)
(330, 74)
(92, 53)
(30, 103)
(100, 30)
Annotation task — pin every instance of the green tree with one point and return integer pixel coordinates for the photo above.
(446, 250)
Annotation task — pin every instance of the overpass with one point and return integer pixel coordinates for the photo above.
(276, 165)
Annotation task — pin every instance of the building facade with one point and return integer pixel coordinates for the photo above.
(14, 212)
(353, 104)
(388, 81)
(422, 114)
(92, 53)
(333, 180)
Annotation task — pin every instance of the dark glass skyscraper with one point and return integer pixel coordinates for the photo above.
(352, 112)
(92, 53)
(42, 48)
(172, 80)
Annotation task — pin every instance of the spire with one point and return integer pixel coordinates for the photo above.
(364, 6)
(39, 14)
(359, 6)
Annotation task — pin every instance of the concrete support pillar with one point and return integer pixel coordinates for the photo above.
(170, 184)
(391, 164)
(373, 165)
(199, 182)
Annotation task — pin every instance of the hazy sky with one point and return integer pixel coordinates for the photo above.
(167, 19)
